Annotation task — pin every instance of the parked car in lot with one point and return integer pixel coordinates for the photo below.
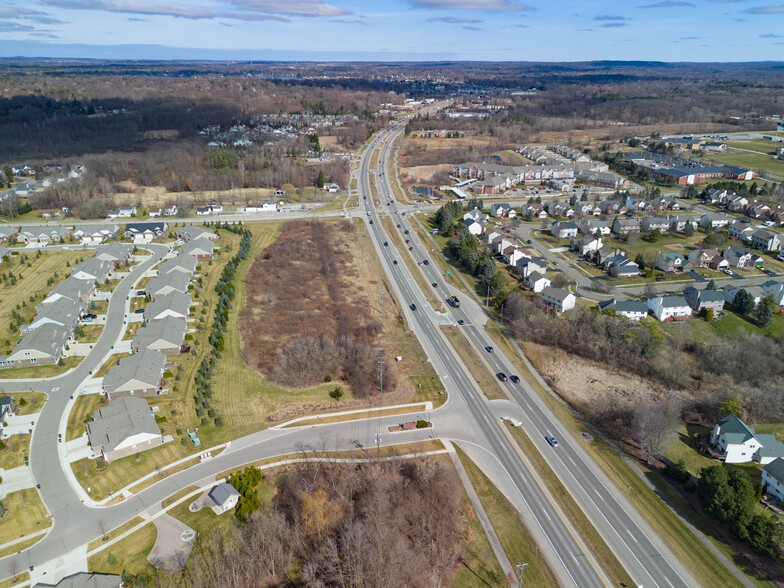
(501, 376)
(552, 441)
(515, 379)
(141, 293)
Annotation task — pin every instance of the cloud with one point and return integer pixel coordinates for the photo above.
(493, 5)
(159, 9)
(520, 26)
(137, 19)
(689, 38)
(20, 13)
(454, 20)
(290, 7)
(585, 30)
(608, 25)
(770, 36)
(779, 9)
(348, 21)
(15, 27)
(667, 4)
(470, 28)
(45, 35)
(609, 17)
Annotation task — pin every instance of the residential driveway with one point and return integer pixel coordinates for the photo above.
(16, 479)
(172, 545)
(19, 424)
(697, 276)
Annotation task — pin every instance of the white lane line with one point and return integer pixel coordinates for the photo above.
(632, 536)
(571, 460)
(599, 495)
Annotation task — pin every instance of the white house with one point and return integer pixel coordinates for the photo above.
(563, 229)
(739, 442)
(537, 282)
(669, 308)
(473, 227)
(775, 289)
(225, 496)
(773, 478)
(558, 299)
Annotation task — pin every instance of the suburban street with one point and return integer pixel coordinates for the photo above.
(467, 418)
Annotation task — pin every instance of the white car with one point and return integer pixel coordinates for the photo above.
(728, 272)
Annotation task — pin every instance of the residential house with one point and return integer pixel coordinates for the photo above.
(166, 335)
(63, 313)
(737, 204)
(89, 234)
(6, 409)
(757, 293)
(200, 249)
(170, 210)
(511, 255)
(184, 264)
(127, 211)
(741, 444)
(658, 223)
(48, 234)
(595, 226)
(714, 220)
(203, 211)
(758, 210)
(634, 310)
(71, 289)
(502, 244)
(585, 245)
(225, 496)
(624, 226)
(765, 240)
(93, 269)
(708, 258)
(666, 203)
(638, 205)
(527, 266)
(194, 233)
(773, 473)
(154, 212)
(774, 289)
(162, 285)
(669, 308)
(536, 282)
(673, 262)
(44, 346)
(718, 197)
(558, 299)
(611, 207)
(534, 209)
(137, 375)
(117, 253)
(175, 304)
(742, 257)
(563, 229)
(502, 210)
(741, 230)
(123, 427)
(473, 227)
(704, 299)
(620, 266)
(477, 215)
(146, 232)
(8, 233)
(678, 223)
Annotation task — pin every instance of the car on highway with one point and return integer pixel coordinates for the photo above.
(529, 242)
(398, 226)
(489, 349)
(406, 232)
(394, 262)
(552, 441)
(386, 244)
(413, 307)
(371, 221)
(501, 376)
(368, 213)
(515, 379)
(461, 322)
(410, 248)
(426, 262)
(435, 285)
(408, 241)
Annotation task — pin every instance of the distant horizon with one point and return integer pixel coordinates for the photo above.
(703, 31)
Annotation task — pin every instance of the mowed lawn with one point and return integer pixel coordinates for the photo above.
(82, 410)
(754, 161)
(16, 447)
(32, 288)
(128, 554)
(25, 514)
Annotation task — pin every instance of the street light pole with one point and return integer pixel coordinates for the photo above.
(520, 567)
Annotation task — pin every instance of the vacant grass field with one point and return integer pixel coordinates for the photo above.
(33, 402)
(755, 161)
(512, 532)
(484, 379)
(83, 408)
(128, 554)
(42, 371)
(25, 514)
(601, 551)
(16, 447)
(32, 288)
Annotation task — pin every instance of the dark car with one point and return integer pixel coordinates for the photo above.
(529, 242)
(371, 221)
(489, 349)
(406, 231)
(435, 285)
(408, 241)
(413, 307)
(461, 322)
(501, 376)
(394, 262)
(90, 316)
(515, 379)
(398, 226)
(552, 441)
(139, 311)
(426, 262)
(141, 293)
(410, 248)
(386, 244)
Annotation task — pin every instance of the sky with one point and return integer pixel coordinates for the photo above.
(395, 30)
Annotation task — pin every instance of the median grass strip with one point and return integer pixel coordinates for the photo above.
(365, 414)
(21, 546)
(705, 567)
(512, 532)
(175, 497)
(18, 579)
(585, 529)
(483, 378)
(25, 514)
(478, 566)
(109, 535)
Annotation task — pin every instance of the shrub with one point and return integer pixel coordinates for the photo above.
(112, 559)
(677, 471)
(204, 420)
(421, 424)
(218, 421)
(22, 402)
(167, 374)
(160, 419)
(127, 577)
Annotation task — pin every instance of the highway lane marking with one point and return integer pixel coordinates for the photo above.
(569, 457)
(600, 496)
(635, 540)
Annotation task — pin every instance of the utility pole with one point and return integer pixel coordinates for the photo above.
(487, 301)
(378, 445)
(381, 373)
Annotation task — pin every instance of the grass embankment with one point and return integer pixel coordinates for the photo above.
(109, 535)
(41, 371)
(413, 268)
(43, 274)
(365, 414)
(515, 538)
(128, 554)
(708, 570)
(175, 497)
(16, 447)
(601, 551)
(25, 514)
(484, 379)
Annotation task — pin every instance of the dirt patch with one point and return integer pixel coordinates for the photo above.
(307, 318)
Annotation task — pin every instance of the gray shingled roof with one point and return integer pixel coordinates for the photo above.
(114, 251)
(198, 247)
(147, 367)
(222, 492)
(191, 232)
(94, 267)
(558, 294)
(170, 330)
(52, 231)
(155, 227)
(176, 280)
(776, 469)
(97, 229)
(176, 301)
(182, 263)
(48, 339)
(71, 288)
(62, 311)
(120, 419)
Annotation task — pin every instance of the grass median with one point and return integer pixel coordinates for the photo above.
(483, 378)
